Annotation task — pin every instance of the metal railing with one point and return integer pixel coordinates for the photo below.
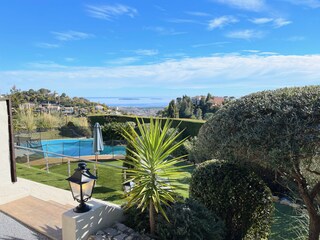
(47, 153)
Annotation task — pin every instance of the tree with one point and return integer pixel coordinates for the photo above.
(25, 120)
(185, 107)
(152, 167)
(199, 113)
(172, 109)
(208, 98)
(277, 129)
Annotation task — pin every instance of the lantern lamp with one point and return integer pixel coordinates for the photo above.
(81, 185)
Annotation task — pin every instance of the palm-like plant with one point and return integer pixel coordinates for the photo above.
(152, 166)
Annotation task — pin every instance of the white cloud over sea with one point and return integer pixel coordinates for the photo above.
(232, 74)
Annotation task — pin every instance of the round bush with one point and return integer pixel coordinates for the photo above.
(189, 220)
(236, 195)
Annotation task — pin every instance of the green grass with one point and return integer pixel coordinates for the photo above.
(286, 223)
(109, 183)
(109, 188)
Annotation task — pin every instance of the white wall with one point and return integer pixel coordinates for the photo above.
(78, 226)
(5, 174)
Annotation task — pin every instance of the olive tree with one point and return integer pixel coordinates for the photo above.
(278, 129)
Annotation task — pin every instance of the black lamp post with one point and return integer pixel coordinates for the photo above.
(81, 184)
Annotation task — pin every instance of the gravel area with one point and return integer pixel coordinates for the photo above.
(11, 229)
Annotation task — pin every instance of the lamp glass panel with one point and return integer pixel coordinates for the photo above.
(75, 188)
(87, 189)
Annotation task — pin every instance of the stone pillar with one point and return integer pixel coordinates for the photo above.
(77, 226)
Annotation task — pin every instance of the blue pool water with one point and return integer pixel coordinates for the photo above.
(78, 147)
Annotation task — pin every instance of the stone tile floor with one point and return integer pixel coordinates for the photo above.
(10, 229)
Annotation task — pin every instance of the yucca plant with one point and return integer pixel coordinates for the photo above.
(153, 167)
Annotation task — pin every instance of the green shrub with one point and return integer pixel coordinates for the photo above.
(190, 127)
(115, 130)
(137, 220)
(237, 196)
(71, 130)
(48, 121)
(275, 181)
(276, 129)
(189, 220)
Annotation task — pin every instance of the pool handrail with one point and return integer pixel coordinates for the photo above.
(66, 156)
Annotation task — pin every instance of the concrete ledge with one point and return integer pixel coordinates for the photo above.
(11, 192)
(46, 192)
(76, 226)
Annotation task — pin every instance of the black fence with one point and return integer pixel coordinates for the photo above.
(65, 141)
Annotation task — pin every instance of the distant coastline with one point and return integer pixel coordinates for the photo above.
(138, 102)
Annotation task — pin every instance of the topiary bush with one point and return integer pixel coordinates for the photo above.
(276, 129)
(189, 220)
(236, 195)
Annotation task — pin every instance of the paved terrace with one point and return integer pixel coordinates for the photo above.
(43, 216)
(32, 204)
(11, 229)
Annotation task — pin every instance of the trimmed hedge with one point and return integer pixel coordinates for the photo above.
(237, 196)
(189, 220)
(191, 127)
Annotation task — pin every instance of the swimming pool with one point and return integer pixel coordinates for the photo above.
(78, 147)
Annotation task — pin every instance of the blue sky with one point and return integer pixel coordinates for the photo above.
(159, 48)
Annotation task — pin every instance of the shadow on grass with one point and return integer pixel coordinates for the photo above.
(187, 167)
(115, 197)
(185, 180)
(102, 189)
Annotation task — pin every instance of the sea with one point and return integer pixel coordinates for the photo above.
(138, 102)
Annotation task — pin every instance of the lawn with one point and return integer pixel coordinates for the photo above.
(109, 188)
(286, 223)
(109, 183)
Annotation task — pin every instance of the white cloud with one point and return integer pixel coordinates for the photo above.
(69, 59)
(246, 34)
(258, 52)
(199, 14)
(261, 20)
(71, 35)
(47, 45)
(182, 20)
(269, 53)
(147, 52)
(244, 74)
(251, 51)
(296, 38)
(277, 22)
(221, 22)
(164, 31)
(110, 12)
(308, 3)
(45, 65)
(280, 22)
(209, 44)
(123, 61)
(250, 5)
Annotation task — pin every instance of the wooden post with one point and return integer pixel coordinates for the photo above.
(11, 143)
